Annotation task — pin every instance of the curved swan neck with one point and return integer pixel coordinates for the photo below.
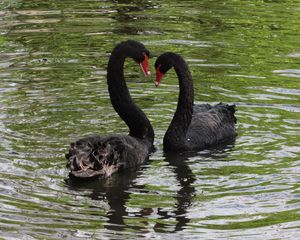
(176, 133)
(132, 115)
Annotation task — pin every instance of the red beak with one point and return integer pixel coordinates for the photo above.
(159, 76)
(145, 66)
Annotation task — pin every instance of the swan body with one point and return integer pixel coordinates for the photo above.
(194, 127)
(101, 156)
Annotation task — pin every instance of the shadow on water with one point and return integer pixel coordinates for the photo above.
(129, 12)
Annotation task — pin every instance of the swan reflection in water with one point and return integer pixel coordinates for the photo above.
(116, 191)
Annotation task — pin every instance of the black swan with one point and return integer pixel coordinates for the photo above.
(194, 127)
(97, 156)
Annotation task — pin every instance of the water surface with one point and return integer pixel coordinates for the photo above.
(53, 90)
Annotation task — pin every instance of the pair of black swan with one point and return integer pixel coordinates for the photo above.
(192, 127)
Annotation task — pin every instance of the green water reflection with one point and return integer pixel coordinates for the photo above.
(53, 57)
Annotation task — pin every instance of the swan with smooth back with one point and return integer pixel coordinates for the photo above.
(101, 156)
(193, 127)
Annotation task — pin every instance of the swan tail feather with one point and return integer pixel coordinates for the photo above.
(232, 110)
(95, 156)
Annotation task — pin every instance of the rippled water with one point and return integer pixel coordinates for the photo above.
(53, 57)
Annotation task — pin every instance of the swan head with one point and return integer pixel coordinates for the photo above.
(162, 65)
(139, 53)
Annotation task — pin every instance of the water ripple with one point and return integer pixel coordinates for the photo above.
(53, 60)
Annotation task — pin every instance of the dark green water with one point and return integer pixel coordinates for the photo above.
(53, 57)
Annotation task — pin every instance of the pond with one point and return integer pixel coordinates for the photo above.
(53, 58)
